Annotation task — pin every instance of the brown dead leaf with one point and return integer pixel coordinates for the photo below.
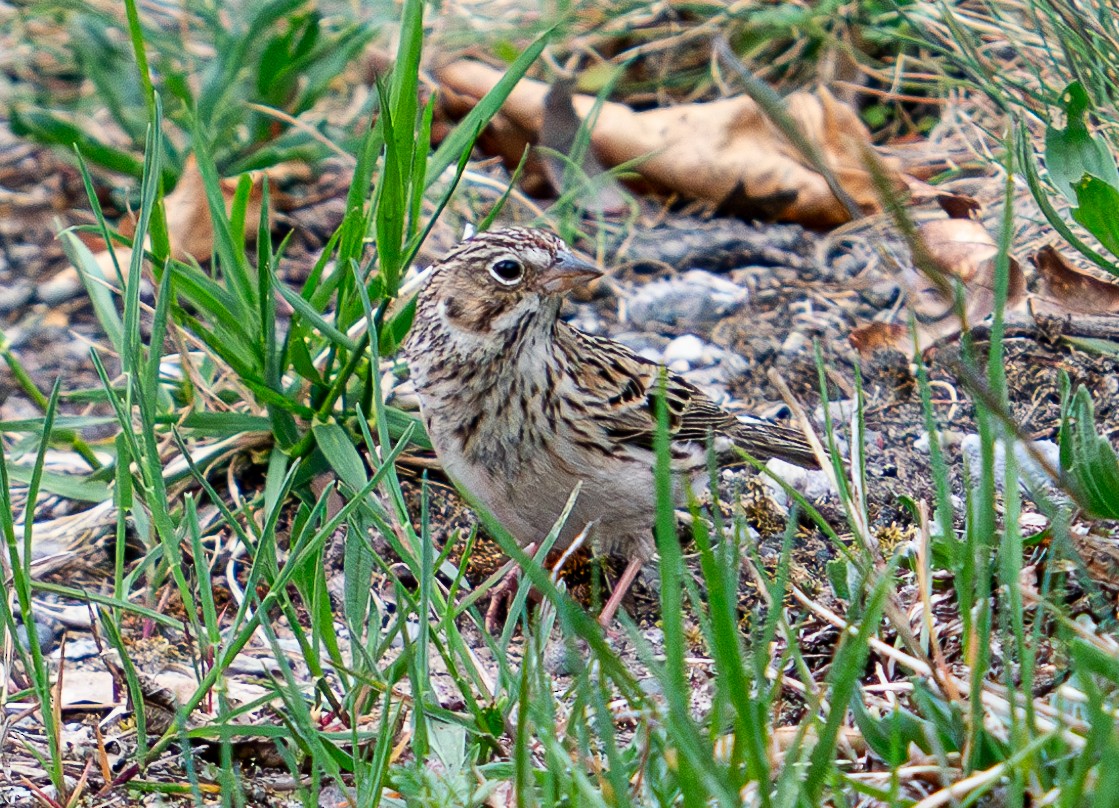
(1066, 289)
(873, 337)
(722, 151)
(962, 249)
(958, 206)
(188, 215)
(188, 225)
(601, 194)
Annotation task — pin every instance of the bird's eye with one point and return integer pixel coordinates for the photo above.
(507, 271)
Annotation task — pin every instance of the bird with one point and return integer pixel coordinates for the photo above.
(522, 407)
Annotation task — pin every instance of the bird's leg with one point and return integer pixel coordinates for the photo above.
(620, 589)
(504, 592)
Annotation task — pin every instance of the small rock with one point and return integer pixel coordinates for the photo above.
(566, 656)
(794, 343)
(812, 483)
(695, 297)
(586, 319)
(1033, 479)
(21, 255)
(689, 348)
(81, 648)
(949, 439)
(48, 631)
(639, 341)
(840, 412)
(15, 296)
(882, 294)
(65, 286)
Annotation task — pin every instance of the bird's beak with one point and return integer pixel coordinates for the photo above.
(567, 273)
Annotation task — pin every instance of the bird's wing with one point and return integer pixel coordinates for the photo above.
(625, 388)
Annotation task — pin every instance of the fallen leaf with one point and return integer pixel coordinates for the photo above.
(958, 206)
(726, 151)
(873, 337)
(599, 193)
(961, 249)
(189, 226)
(1065, 288)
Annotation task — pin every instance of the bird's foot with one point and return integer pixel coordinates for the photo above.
(501, 599)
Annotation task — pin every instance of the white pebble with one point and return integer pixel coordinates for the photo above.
(794, 343)
(812, 483)
(688, 348)
(1032, 476)
(693, 297)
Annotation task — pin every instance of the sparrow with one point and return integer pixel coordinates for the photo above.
(521, 407)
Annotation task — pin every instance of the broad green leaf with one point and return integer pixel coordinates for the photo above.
(1098, 208)
(393, 332)
(46, 127)
(1103, 347)
(64, 485)
(1089, 458)
(890, 736)
(1072, 152)
(340, 453)
(94, 280)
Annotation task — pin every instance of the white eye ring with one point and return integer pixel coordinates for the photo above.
(507, 271)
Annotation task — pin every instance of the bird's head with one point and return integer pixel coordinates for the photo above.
(491, 283)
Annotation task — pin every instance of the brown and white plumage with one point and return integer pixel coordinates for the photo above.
(521, 407)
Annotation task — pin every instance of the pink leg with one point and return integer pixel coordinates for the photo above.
(503, 594)
(620, 589)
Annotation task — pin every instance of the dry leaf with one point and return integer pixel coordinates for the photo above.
(873, 337)
(601, 194)
(962, 249)
(188, 226)
(723, 151)
(1066, 289)
(958, 206)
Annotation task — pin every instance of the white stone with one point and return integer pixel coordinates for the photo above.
(1032, 475)
(692, 297)
(688, 348)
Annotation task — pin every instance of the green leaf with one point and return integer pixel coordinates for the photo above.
(313, 318)
(64, 485)
(94, 280)
(945, 717)
(1103, 347)
(402, 423)
(393, 332)
(222, 424)
(1098, 204)
(839, 571)
(1088, 458)
(47, 127)
(340, 453)
(890, 736)
(1073, 152)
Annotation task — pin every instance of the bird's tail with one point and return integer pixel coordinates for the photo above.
(764, 440)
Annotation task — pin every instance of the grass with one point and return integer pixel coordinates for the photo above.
(368, 705)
